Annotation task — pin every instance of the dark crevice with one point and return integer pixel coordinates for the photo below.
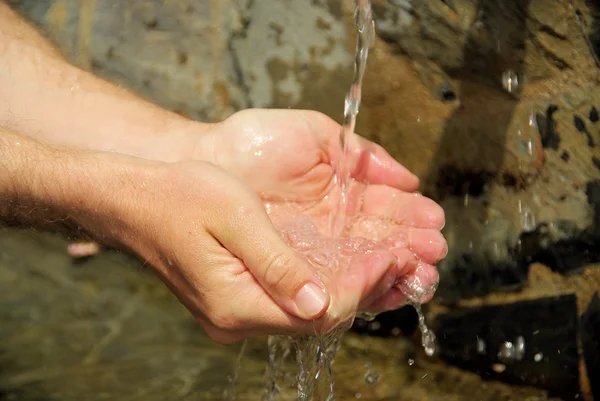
(550, 31)
(558, 62)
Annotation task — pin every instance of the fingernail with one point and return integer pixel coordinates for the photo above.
(444, 251)
(311, 300)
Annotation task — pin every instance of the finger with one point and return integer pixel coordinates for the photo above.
(423, 276)
(393, 300)
(368, 276)
(428, 245)
(419, 284)
(407, 264)
(402, 207)
(404, 261)
(246, 231)
(373, 164)
(370, 162)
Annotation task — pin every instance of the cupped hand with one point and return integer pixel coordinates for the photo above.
(210, 239)
(287, 157)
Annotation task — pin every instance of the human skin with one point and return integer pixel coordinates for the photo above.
(189, 197)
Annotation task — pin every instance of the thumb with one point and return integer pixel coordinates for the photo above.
(283, 273)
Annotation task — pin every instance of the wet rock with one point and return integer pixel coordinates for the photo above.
(466, 37)
(578, 248)
(565, 256)
(492, 261)
(529, 342)
(590, 339)
(471, 276)
(153, 48)
(301, 48)
(400, 322)
(206, 60)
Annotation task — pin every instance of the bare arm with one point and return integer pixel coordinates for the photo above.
(58, 188)
(44, 96)
(189, 221)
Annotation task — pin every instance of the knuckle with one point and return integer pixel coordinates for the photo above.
(278, 271)
(225, 321)
(221, 337)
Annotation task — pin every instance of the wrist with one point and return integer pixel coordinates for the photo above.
(182, 140)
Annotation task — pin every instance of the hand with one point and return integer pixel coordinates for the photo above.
(210, 240)
(286, 156)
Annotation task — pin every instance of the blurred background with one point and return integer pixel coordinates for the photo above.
(493, 104)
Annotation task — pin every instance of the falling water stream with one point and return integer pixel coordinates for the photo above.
(315, 354)
(365, 27)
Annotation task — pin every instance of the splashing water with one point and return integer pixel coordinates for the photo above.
(315, 354)
(229, 394)
(365, 26)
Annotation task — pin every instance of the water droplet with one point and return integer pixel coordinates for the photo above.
(527, 220)
(510, 352)
(527, 217)
(358, 395)
(411, 362)
(520, 348)
(510, 81)
(538, 357)
(428, 341)
(481, 346)
(498, 367)
(368, 316)
(507, 352)
(374, 326)
(372, 378)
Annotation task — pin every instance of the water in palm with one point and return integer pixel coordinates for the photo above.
(315, 354)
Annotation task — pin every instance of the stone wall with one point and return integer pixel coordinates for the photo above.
(494, 104)
(206, 59)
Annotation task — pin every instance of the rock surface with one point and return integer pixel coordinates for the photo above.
(530, 342)
(206, 59)
(503, 165)
(590, 332)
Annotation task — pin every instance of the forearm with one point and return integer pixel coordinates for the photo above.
(57, 188)
(24, 197)
(44, 96)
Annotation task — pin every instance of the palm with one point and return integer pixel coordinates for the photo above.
(286, 157)
(281, 157)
